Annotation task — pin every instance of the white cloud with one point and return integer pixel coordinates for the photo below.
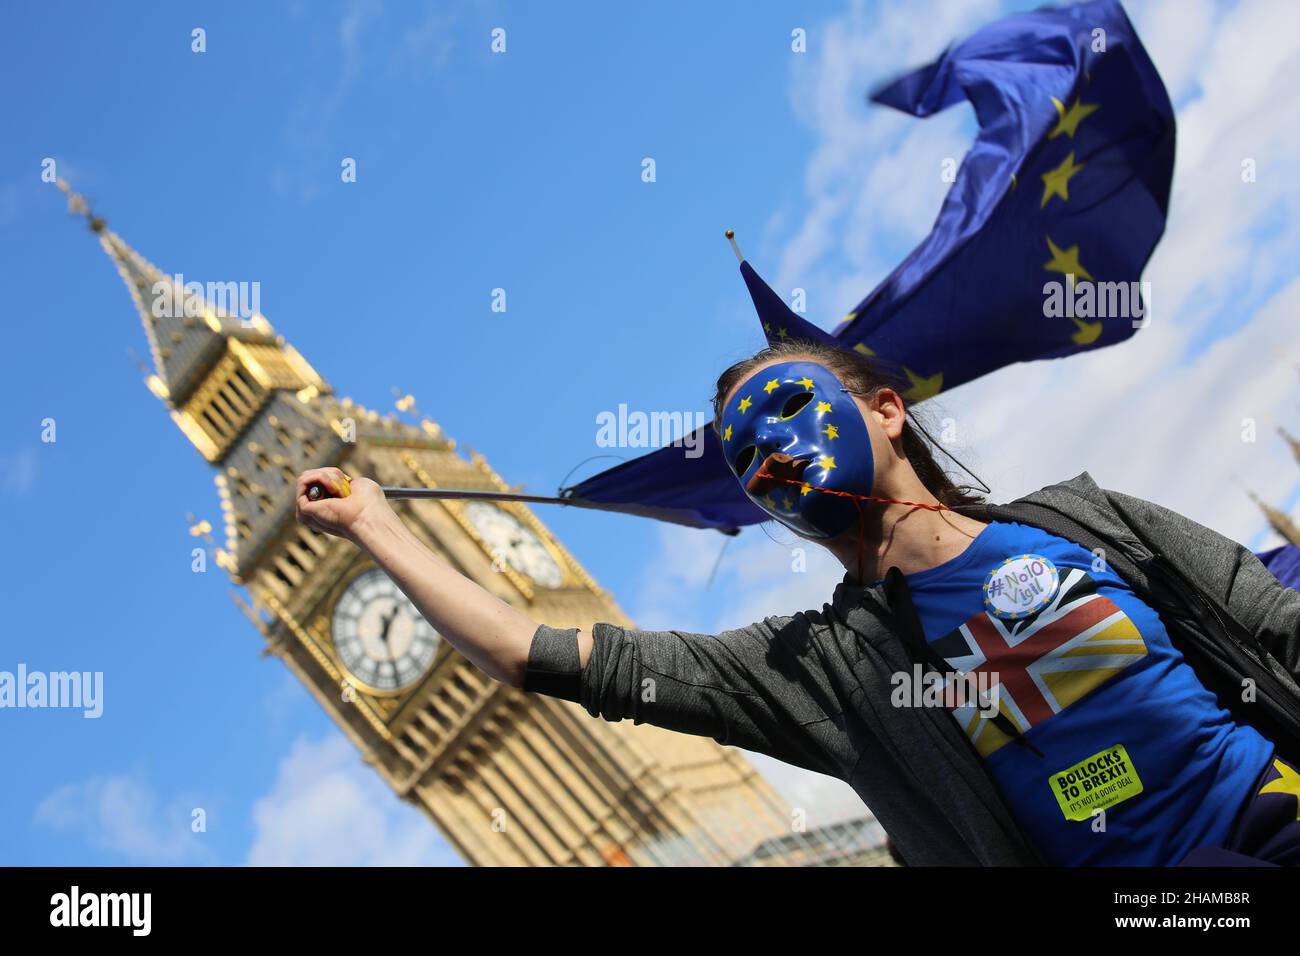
(18, 472)
(367, 43)
(328, 809)
(121, 814)
(1229, 242)
(1176, 34)
(427, 46)
(861, 208)
(359, 15)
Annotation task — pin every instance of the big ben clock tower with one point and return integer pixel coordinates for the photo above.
(508, 778)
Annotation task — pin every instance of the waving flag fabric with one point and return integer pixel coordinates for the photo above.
(1038, 249)
(1069, 177)
(1284, 562)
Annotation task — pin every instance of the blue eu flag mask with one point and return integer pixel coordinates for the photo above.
(793, 436)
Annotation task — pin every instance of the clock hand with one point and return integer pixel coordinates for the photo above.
(387, 623)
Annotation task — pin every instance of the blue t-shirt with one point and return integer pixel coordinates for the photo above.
(1086, 670)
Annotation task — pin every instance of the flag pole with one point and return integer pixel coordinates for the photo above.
(316, 491)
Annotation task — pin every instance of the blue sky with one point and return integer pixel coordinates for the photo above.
(520, 171)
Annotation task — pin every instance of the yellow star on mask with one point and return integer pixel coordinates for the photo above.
(826, 461)
(806, 383)
(744, 404)
(771, 386)
(822, 408)
(782, 334)
(1067, 121)
(830, 431)
(1065, 261)
(726, 436)
(1056, 182)
(804, 489)
(767, 500)
(1289, 782)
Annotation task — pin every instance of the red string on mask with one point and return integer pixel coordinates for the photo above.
(857, 501)
(849, 494)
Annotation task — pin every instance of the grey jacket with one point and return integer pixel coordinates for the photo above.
(813, 689)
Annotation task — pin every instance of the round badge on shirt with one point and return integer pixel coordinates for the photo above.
(1020, 586)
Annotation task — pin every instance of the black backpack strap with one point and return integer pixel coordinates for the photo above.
(1063, 526)
(1156, 572)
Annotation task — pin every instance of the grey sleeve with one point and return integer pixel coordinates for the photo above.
(1228, 571)
(760, 687)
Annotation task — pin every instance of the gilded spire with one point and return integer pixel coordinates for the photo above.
(77, 205)
(187, 334)
(243, 396)
(1277, 519)
(1292, 441)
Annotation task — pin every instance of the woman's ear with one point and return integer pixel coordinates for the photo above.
(887, 407)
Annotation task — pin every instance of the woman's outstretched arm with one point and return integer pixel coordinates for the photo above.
(760, 687)
(492, 634)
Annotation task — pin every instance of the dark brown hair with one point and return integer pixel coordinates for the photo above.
(863, 377)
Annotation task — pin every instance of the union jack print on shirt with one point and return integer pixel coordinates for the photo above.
(1040, 665)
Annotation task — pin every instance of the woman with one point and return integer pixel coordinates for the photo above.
(1005, 684)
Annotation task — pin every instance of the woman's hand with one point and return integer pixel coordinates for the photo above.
(352, 504)
(495, 636)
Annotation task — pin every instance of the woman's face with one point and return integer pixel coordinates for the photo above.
(801, 446)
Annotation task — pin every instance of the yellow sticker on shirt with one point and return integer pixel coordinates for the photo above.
(1101, 781)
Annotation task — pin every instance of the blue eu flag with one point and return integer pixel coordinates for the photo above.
(1037, 252)
(1040, 244)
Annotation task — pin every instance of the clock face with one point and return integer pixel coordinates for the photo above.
(516, 543)
(379, 636)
